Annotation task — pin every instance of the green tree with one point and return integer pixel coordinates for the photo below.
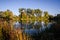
(38, 12)
(29, 11)
(23, 15)
(21, 12)
(46, 17)
(33, 12)
(8, 15)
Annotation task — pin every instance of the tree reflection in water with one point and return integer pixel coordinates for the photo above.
(39, 31)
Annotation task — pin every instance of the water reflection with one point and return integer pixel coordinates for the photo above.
(33, 25)
(36, 30)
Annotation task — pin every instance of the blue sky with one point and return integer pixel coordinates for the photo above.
(52, 6)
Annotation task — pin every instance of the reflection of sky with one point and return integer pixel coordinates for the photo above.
(52, 6)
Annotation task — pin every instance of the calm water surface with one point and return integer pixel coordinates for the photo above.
(40, 30)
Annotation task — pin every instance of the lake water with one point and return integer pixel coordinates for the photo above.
(40, 30)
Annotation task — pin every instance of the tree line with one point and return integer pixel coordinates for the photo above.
(26, 14)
